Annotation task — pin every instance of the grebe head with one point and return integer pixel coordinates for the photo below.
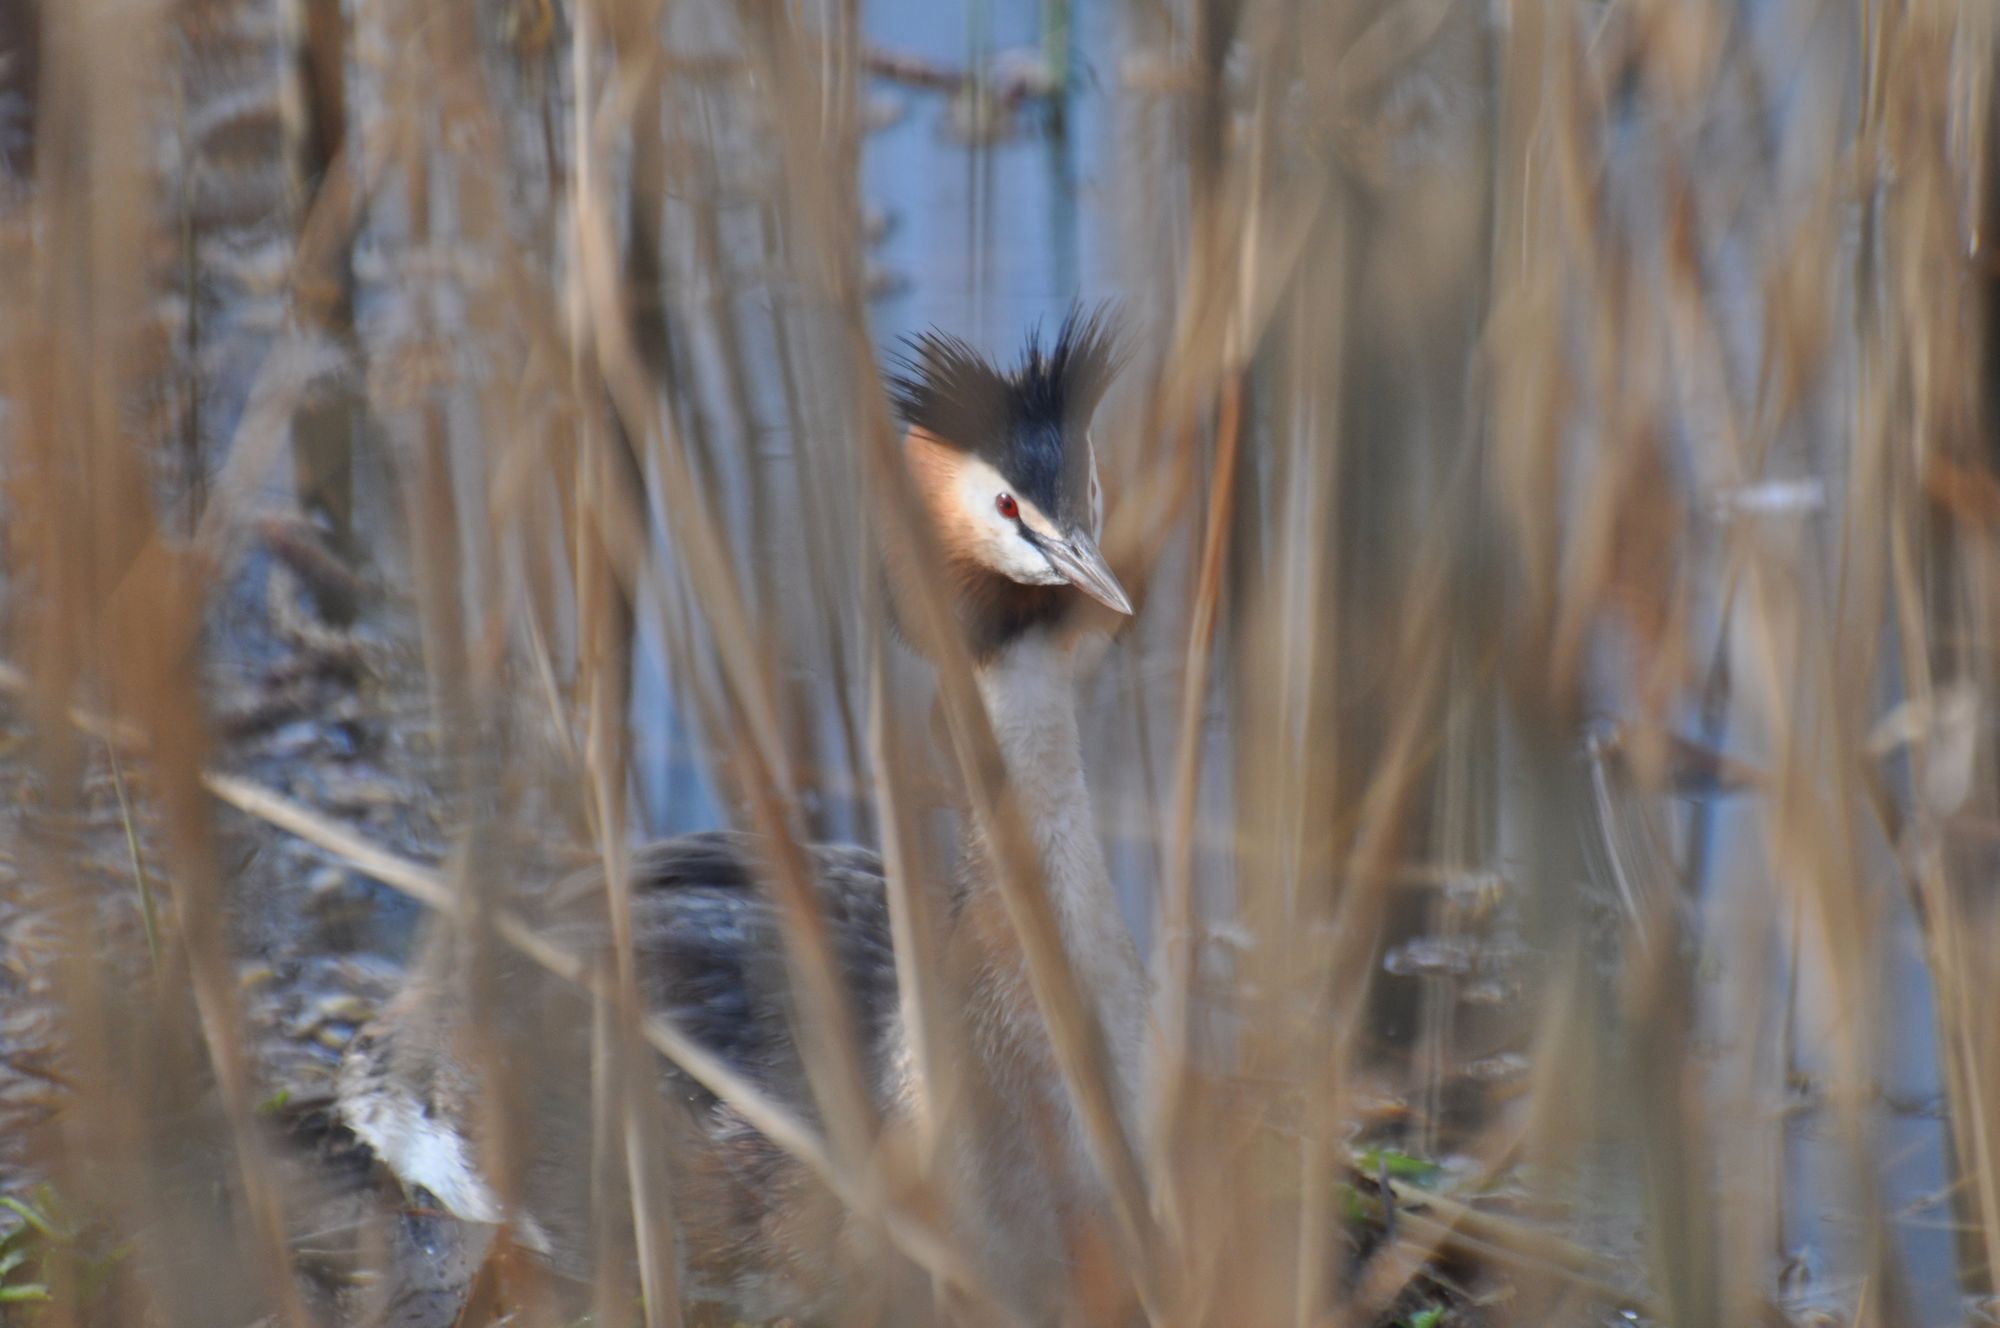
(1004, 464)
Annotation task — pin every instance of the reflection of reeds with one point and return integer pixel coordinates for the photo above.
(1490, 381)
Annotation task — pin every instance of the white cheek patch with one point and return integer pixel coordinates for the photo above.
(994, 539)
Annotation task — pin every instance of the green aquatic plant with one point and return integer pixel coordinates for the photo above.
(1398, 1165)
(24, 1248)
(51, 1247)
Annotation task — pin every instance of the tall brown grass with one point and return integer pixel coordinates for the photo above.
(1555, 472)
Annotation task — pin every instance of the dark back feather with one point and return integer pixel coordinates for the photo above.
(711, 954)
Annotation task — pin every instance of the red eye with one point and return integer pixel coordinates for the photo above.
(1007, 507)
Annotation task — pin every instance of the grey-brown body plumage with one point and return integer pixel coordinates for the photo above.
(709, 956)
(1003, 464)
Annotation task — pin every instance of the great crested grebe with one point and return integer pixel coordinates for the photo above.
(1004, 467)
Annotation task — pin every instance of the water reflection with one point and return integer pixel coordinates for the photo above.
(990, 237)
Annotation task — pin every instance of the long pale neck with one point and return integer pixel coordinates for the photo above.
(1030, 694)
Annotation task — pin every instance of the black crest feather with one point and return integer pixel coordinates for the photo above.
(1026, 422)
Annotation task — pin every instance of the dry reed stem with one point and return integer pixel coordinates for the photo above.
(925, 996)
(927, 1248)
(1075, 1034)
(124, 619)
(426, 887)
(1356, 679)
(604, 625)
(832, 1055)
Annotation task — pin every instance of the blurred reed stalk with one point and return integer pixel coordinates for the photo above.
(1479, 361)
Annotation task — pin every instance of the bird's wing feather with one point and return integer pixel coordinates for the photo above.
(710, 949)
